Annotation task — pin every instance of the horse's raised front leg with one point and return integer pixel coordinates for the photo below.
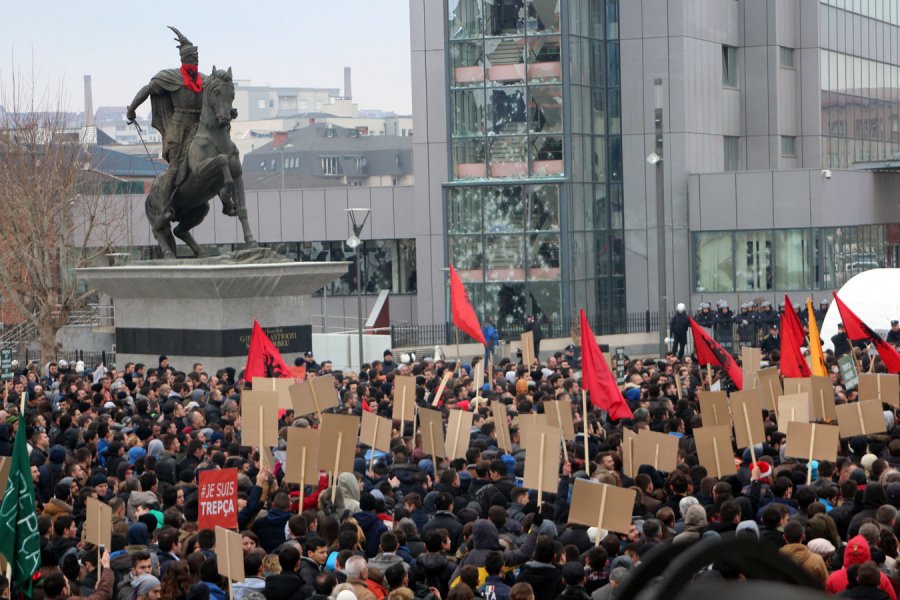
(240, 203)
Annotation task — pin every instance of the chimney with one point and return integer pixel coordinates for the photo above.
(348, 91)
(88, 103)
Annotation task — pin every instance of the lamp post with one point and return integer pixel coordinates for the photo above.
(283, 148)
(655, 160)
(354, 243)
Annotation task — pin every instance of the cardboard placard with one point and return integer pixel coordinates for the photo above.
(796, 385)
(883, 387)
(769, 385)
(794, 407)
(860, 418)
(659, 450)
(812, 441)
(559, 414)
(821, 399)
(432, 427)
(98, 524)
(313, 396)
(751, 359)
(628, 441)
(301, 464)
(459, 430)
(526, 422)
(714, 409)
(526, 342)
(375, 432)
(478, 379)
(267, 459)
(603, 506)
(439, 392)
(714, 450)
(259, 418)
(748, 423)
(542, 458)
(404, 403)
(230, 554)
(501, 425)
(337, 443)
(218, 499)
(280, 385)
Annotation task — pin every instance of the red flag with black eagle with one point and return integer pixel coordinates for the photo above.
(263, 359)
(709, 352)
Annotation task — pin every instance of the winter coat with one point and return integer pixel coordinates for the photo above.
(286, 586)
(361, 589)
(865, 592)
(809, 561)
(270, 529)
(485, 540)
(856, 552)
(545, 579)
(573, 592)
(446, 520)
(56, 507)
(372, 528)
(433, 570)
(251, 584)
(494, 588)
(104, 589)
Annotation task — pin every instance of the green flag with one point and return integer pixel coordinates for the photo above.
(19, 536)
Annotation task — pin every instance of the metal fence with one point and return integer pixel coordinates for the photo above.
(406, 336)
(91, 360)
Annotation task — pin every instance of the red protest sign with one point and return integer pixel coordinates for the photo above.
(218, 499)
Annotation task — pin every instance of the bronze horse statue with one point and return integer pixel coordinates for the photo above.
(212, 167)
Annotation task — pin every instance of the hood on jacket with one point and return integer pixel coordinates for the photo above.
(58, 454)
(856, 552)
(432, 563)
(138, 535)
(348, 486)
(874, 496)
(365, 519)
(485, 536)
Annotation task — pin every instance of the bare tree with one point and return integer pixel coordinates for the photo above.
(54, 217)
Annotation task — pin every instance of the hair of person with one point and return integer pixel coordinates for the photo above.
(544, 549)
(356, 566)
(288, 557)
(253, 561)
(522, 591)
(793, 532)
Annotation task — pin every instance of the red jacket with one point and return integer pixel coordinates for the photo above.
(856, 552)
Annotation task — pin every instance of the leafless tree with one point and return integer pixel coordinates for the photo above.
(54, 216)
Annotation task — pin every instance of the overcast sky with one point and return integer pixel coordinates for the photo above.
(283, 43)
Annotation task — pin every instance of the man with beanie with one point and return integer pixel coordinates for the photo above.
(146, 587)
(573, 575)
(694, 524)
(856, 552)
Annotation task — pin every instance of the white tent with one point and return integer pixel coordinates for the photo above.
(873, 295)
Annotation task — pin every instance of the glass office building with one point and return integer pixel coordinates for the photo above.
(534, 202)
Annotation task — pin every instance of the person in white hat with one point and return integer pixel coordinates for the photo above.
(678, 328)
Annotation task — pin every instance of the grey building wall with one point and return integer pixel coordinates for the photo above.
(428, 24)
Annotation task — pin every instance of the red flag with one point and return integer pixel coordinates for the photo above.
(597, 378)
(263, 359)
(792, 362)
(857, 330)
(709, 352)
(464, 315)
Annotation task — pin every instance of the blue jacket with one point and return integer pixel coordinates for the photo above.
(490, 335)
(270, 529)
(372, 527)
(494, 589)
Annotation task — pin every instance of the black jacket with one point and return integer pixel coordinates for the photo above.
(432, 570)
(446, 520)
(841, 344)
(545, 580)
(286, 586)
(679, 325)
(309, 570)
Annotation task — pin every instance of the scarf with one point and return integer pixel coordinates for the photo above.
(191, 78)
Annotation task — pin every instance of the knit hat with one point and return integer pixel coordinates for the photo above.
(821, 546)
(685, 503)
(143, 584)
(345, 595)
(98, 479)
(765, 471)
(138, 535)
(866, 462)
(748, 526)
(695, 516)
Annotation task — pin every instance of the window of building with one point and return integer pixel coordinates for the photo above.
(261, 103)
(753, 260)
(786, 57)
(714, 261)
(788, 145)
(732, 153)
(729, 66)
(331, 165)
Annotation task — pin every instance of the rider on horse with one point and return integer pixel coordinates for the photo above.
(176, 98)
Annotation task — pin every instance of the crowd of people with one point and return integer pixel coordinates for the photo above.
(410, 526)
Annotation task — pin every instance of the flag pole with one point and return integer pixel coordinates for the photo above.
(584, 418)
(458, 354)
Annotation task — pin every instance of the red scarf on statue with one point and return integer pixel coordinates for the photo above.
(191, 78)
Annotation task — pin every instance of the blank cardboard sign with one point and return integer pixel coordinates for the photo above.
(542, 458)
(880, 387)
(337, 443)
(375, 432)
(559, 414)
(796, 385)
(404, 404)
(501, 425)
(628, 440)
(821, 399)
(769, 385)
(314, 396)
(658, 450)
(812, 441)
(302, 460)
(748, 424)
(714, 409)
(439, 392)
(98, 525)
(259, 418)
(527, 423)
(432, 427)
(751, 358)
(794, 407)
(860, 418)
(230, 554)
(459, 430)
(714, 449)
(527, 344)
(603, 506)
(280, 385)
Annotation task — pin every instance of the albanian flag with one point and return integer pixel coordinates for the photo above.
(857, 330)
(263, 359)
(596, 377)
(792, 362)
(464, 315)
(709, 352)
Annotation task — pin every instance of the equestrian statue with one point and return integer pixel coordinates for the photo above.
(193, 113)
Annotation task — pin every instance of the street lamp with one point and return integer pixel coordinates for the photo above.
(283, 148)
(655, 160)
(354, 243)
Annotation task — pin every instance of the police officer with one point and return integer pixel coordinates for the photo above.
(678, 328)
(771, 342)
(821, 312)
(746, 321)
(705, 317)
(893, 336)
(724, 325)
(767, 317)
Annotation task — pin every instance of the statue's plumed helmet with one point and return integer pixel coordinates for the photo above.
(189, 52)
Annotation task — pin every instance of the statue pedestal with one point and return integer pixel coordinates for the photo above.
(203, 310)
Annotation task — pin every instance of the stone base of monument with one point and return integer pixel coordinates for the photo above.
(202, 310)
